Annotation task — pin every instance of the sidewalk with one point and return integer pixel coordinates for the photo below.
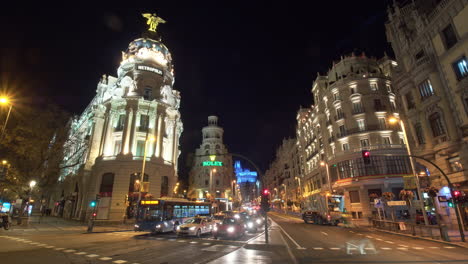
(52, 223)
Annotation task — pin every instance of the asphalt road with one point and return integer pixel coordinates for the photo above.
(311, 243)
(74, 246)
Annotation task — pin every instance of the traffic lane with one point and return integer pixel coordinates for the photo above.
(324, 242)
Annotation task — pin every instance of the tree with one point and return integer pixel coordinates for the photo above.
(33, 145)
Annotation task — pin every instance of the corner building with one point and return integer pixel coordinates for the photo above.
(353, 103)
(212, 176)
(132, 114)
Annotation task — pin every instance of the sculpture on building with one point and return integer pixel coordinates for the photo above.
(153, 21)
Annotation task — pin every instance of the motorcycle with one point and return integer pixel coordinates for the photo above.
(5, 221)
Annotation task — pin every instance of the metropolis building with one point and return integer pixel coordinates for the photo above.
(353, 104)
(133, 115)
(212, 177)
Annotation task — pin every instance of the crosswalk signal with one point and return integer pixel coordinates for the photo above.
(450, 203)
(93, 203)
(366, 156)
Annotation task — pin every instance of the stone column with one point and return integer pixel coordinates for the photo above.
(157, 126)
(132, 132)
(108, 136)
(161, 133)
(126, 132)
(152, 133)
(104, 133)
(174, 143)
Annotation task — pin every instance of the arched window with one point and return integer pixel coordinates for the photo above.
(107, 183)
(207, 146)
(135, 178)
(164, 186)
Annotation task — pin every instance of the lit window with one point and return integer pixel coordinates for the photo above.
(364, 142)
(117, 147)
(357, 107)
(455, 164)
(361, 124)
(461, 68)
(345, 146)
(425, 89)
(373, 87)
(382, 123)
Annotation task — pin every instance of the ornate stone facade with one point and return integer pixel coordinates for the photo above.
(132, 115)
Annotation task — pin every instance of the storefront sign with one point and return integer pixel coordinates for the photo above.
(212, 163)
(396, 203)
(150, 69)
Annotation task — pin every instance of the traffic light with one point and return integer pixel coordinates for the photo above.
(456, 195)
(366, 156)
(93, 203)
(450, 203)
(265, 203)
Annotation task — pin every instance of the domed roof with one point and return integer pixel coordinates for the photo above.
(152, 44)
(147, 49)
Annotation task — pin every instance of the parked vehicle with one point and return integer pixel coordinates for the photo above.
(323, 209)
(230, 227)
(5, 221)
(196, 226)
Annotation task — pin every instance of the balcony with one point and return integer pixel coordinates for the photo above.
(330, 140)
(380, 108)
(340, 116)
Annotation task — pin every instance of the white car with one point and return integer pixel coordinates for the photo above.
(196, 226)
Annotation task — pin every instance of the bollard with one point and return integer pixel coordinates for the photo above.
(443, 233)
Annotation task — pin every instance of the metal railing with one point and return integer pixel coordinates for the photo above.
(433, 232)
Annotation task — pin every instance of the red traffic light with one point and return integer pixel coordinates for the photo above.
(94, 214)
(456, 193)
(266, 192)
(366, 153)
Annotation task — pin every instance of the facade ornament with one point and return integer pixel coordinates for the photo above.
(128, 86)
(153, 21)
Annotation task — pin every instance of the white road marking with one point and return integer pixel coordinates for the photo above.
(449, 247)
(294, 241)
(334, 248)
(318, 248)
(59, 248)
(351, 231)
(402, 248)
(390, 242)
(379, 239)
(105, 258)
(193, 242)
(324, 233)
(386, 248)
(403, 245)
(92, 255)
(50, 247)
(369, 249)
(69, 250)
(360, 234)
(119, 261)
(80, 253)
(369, 237)
(419, 248)
(181, 241)
(435, 247)
(206, 244)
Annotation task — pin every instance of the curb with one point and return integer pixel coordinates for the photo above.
(465, 245)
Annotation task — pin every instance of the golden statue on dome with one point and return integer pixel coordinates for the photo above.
(153, 20)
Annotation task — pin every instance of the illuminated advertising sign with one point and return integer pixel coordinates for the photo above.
(149, 202)
(212, 163)
(150, 69)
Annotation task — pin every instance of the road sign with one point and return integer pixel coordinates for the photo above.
(378, 203)
(396, 203)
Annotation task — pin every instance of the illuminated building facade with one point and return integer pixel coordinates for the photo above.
(431, 46)
(212, 175)
(133, 114)
(353, 103)
(247, 182)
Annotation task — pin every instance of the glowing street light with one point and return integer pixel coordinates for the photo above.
(5, 101)
(32, 183)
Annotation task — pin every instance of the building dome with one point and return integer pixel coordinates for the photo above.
(148, 49)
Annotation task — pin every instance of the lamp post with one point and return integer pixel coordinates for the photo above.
(5, 101)
(394, 120)
(325, 164)
(211, 180)
(151, 139)
(286, 198)
(31, 186)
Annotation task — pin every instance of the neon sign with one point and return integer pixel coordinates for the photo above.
(212, 163)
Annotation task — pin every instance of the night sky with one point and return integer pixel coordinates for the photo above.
(252, 65)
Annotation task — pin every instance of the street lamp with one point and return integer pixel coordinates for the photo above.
(150, 139)
(286, 198)
(31, 186)
(394, 120)
(325, 164)
(5, 101)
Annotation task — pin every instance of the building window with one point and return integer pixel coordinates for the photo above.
(120, 123)
(339, 114)
(336, 96)
(364, 142)
(117, 147)
(378, 105)
(374, 87)
(144, 123)
(419, 55)
(148, 93)
(419, 133)
(425, 89)
(437, 125)
(217, 182)
(140, 148)
(461, 68)
(164, 186)
(389, 88)
(206, 182)
(361, 124)
(345, 146)
(353, 89)
(357, 107)
(342, 131)
(449, 37)
(392, 105)
(382, 123)
(354, 197)
(386, 141)
(409, 100)
(455, 164)
(107, 183)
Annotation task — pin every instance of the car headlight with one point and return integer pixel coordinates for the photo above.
(178, 228)
(158, 226)
(237, 216)
(192, 228)
(258, 221)
(137, 226)
(250, 224)
(231, 229)
(215, 228)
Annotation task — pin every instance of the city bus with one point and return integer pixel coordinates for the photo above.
(165, 214)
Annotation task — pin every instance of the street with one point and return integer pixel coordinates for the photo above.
(330, 244)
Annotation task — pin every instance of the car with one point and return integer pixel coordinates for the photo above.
(252, 222)
(218, 218)
(230, 227)
(195, 226)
